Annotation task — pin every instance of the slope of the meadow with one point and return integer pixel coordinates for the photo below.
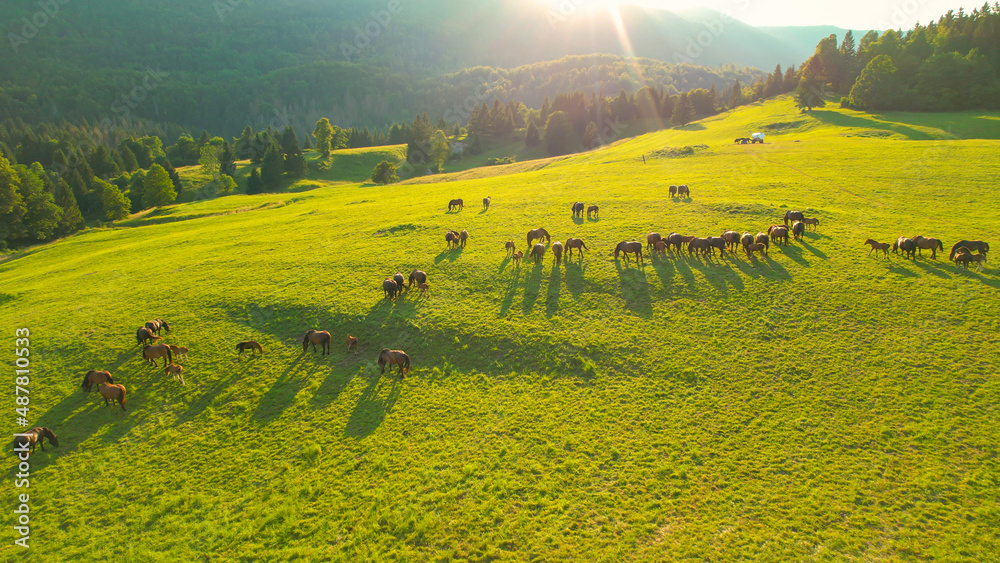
(815, 404)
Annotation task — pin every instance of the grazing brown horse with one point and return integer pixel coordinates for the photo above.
(390, 288)
(486, 203)
(651, 238)
(578, 208)
(557, 250)
(175, 371)
(778, 234)
(791, 216)
(758, 247)
(660, 247)
(683, 191)
(632, 247)
(463, 236)
(979, 259)
(517, 257)
(394, 358)
(451, 239)
(156, 324)
(144, 335)
(716, 242)
(798, 229)
(510, 247)
(400, 281)
(251, 345)
(114, 392)
(537, 252)
(700, 244)
(152, 353)
(419, 275)
(811, 221)
(732, 239)
(672, 190)
(456, 204)
(592, 211)
(178, 352)
(32, 438)
(961, 254)
(352, 342)
(315, 337)
(675, 240)
(979, 245)
(762, 238)
(928, 242)
(538, 233)
(746, 239)
(575, 243)
(95, 377)
(907, 245)
(876, 245)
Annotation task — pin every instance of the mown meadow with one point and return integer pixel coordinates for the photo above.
(817, 404)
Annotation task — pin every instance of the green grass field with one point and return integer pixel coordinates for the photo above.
(814, 405)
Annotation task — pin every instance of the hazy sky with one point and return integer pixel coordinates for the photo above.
(853, 14)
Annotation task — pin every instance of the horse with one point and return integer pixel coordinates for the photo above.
(517, 257)
(95, 377)
(576, 243)
(697, 243)
(177, 372)
(906, 245)
(756, 247)
(463, 236)
(114, 392)
(451, 239)
(632, 247)
(390, 288)
(672, 190)
(157, 324)
(675, 240)
(732, 239)
(251, 345)
(791, 216)
(716, 242)
(652, 238)
(352, 342)
(456, 204)
(578, 208)
(683, 191)
(811, 221)
(34, 437)
(486, 203)
(762, 238)
(537, 252)
(557, 250)
(315, 337)
(510, 247)
(778, 234)
(980, 259)
(746, 239)
(961, 254)
(423, 287)
(419, 275)
(538, 233)
(876, 245)
(400, 281)
(979, 245)
(144, 335)
(660, 247)
(178, 351)
(152, 353)
(394, 358)
(798, 229)
(928, 242)
(592, 210)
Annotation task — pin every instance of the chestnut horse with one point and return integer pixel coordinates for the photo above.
(576, 243)
(114, 392)
(798, 229)
(811, 221)
(177, 372)
(153, 353)
(907, 245)
(792, 216)
(419, 275)
(557, 250)
(592, 210)
(394, 358)
(778, 234)
(509, 247)
(537, 252)
(876, 245)
(95, 377)
(144, 335)
(34, 437)
(979, 245)
(756, 247)
(926, 242)
(251, 345)
(651, 238)
(632, 247)
(352, 342)
(732, 239)
(538, 233)
(315, 337)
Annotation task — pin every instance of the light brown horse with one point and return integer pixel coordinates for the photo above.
(95, 377)
(486, 203)
(811, 221)
(792, 216)
(419, 275)
(538, 233)
(778, 234)
(651, 238)
(463, 236)
(152, 353)
(424, 288)
(517, 257)
(876, 245)
(982, 246)
(456, 204)
(251, 345)
(660, 247)
(178, 352)
(756, 247)
(156, 325)
(32, 438)
(510, 247)
(762, 238)
(315, 337)
(672, 190)
(629, 247)
(577, 209)
(394, 358)
(746, 239)
(928, 242)
(592, 211)
(798, 229)
(575, 243)
(114, 392)
(557, 250)
(352, 342)
(537, 252)
(144, 335)
(177, 372)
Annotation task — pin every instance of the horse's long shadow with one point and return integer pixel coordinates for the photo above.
(932, 268)
(531, 284)
(817, 252)
(635, 290)
(905, 272)
(747, 267)
(593, 219)
(450, 254)
(779, 271)
(552, 292)
(719, 274)
(577, 220)
(202, 402)
(574, 277)
(684, 269)
(124, 357)
(281, 394)
(371, 410)
(331, 387)
(504, 264)
(983, 276)
(665, 271)
(508, 298)
(795, 253)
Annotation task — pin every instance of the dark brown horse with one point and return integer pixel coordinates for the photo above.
(390, 288)
(153, 353)
(486, 203)
(928, 242)
(675, 240)
(651, 238)
(251, 345)
(143, 335)
(394, 358)
(557, 250)
(592, 211)
(683, 191)
(762, 238)
(34, 437)
(716, 242)
(578, 208)
(95, 377)
(876, 245)
(699, 244)
(315, 337)
(156, 324)
(538, 233)
(778, 234)
(632, 247)
(114, 392)
(746, 239)
(732, 239)
(451, 239)
(672, 190)
(979, 245)
(575, 243)
(791, 216)
(798, 229)
(419, 275)
(456, 204)
(756, 247)
(352, 342)
(906, 245)
(537, 252)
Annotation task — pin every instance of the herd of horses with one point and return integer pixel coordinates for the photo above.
(911, 247)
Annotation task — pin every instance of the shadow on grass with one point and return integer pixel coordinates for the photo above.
(504, 264)
(281, 393)
(816, 252)
(450, 254)
(934, 268)
(577, 220)
(635, 290)
(905, 272)
(575, 281)
(531, 284)
(552, 292)
(843, 120)
(371, 409)
(793, 252)
(508, 298)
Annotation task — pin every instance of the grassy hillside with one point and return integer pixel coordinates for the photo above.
(813, 405)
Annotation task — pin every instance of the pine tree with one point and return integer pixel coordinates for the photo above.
(129, 163)
(135, 191)
(157, 188)
(324, 135)
(175, 178)
(244, 144)
(255, 184)
(591, 137)
(204, 139)
(271, 168)
(114, 204)
(72, 219)
(42, 215)
(531, 138)
(683, 112)
(736, 95)
(558, 133)
(227, 162)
